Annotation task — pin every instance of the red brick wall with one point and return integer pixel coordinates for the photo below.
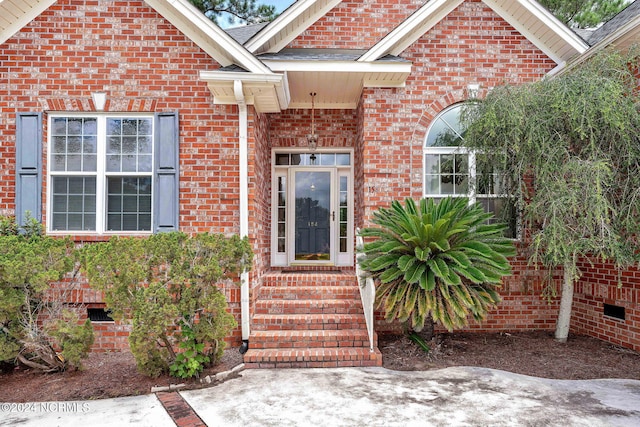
(144, 64)
(259, 201)
(602, 284)
(472, 45)
(335, 128)
(356, 24)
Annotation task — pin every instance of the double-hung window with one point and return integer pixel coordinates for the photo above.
(452, 170)
(101, 173)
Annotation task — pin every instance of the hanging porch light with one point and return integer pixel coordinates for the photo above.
(312, 139)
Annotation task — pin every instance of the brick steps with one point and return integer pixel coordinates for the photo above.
(310, 338)
(314, 306)
(309, 319)
(312, 358)
(279, 322)
(309, 292)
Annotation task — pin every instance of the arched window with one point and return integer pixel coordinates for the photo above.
(452, 170)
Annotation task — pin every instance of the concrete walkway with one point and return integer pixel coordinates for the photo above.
(357, 397)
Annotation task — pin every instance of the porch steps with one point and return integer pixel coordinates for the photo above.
(309, 319)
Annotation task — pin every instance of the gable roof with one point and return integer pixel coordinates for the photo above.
(624, 28)
(621, 32)
(243, 33)
(528, 17)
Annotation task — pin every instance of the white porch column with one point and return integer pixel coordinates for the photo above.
(244, 200)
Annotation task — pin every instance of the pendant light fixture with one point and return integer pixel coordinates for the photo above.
(312, 139)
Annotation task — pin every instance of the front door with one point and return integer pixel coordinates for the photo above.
(313, 191)
(312, 209)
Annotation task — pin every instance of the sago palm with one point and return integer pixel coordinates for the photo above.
(441, 261)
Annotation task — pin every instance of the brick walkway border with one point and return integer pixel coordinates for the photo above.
(179, 410)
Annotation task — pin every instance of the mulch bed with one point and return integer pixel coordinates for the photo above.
(537, 354)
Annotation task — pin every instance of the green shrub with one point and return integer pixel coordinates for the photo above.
(165, 285)
(440, 262)
(32, 324)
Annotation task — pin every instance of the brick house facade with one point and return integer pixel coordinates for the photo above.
(222, 145)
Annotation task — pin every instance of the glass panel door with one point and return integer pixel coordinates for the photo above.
(313, 215)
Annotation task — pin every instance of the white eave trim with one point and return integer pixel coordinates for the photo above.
(289, 25)
(338, 66)
(22, 20)
(217, 43)
(548, 20)
(407, 32)
(275, 83)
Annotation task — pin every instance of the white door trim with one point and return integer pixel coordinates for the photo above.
(282, 192)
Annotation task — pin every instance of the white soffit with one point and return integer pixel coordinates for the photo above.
(206, 34)
(289, 25)
(15, 14)
(268, 93)
(338, 84)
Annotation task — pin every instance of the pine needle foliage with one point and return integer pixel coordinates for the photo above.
(436, 261)
(569, 150)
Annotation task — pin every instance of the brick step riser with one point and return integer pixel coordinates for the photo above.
(310, 339)
(293, 307)
(302, 326)
(325, 282)
(308, 293)
(316, 358)
(303, 343)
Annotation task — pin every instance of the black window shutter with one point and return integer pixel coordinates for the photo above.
(166, 185)
(28, 166)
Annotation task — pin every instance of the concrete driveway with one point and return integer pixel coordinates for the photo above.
(363, 397)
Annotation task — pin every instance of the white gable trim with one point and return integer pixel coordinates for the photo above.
(411, 29)
(561, 43)
(207, 35)
(15, 14)
(565, 35)
(289, 25)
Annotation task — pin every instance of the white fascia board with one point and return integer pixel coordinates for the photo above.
(272, 81)
(223, 76)
(400, 37)
(267, 40)
(228, 51)
(339, 66)
(548, 20)
(283, 92)
(23, 16)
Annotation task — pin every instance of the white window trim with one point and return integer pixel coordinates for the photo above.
(100, 174)
(472, 194)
